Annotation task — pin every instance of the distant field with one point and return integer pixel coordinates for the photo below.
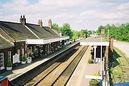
(120, 67)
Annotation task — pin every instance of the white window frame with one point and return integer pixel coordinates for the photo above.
(3, 66)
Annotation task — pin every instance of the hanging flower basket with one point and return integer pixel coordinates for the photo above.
(29, 59)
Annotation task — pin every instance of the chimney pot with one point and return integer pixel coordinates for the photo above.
(23, 19)
(40, 23)
(50, 23)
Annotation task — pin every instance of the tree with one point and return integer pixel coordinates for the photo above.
(66, 30)
(118, 32)
(100, 28)
(56, 27)
(75, 35)
(90, 32)
(84, 33)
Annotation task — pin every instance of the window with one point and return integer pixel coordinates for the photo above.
(1, 61)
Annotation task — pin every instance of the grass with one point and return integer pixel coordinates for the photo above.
(120, 67)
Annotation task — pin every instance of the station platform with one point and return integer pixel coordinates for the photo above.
(81, 75)
(20, 70)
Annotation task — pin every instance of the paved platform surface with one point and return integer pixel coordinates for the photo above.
(92, 39)
(78, 78)
(21, 70)
(90, 70)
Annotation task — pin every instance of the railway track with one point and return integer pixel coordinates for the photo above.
(59, 72)
(30, 75)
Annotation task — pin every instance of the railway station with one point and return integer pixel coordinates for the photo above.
(23, 41)
(34, 54)
(64, 43)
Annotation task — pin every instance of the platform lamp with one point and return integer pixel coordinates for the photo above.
(101, 59)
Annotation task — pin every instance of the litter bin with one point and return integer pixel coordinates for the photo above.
(3, 81)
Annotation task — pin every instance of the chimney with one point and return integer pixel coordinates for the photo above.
(23, 19)
(40, 23)
(50, 23)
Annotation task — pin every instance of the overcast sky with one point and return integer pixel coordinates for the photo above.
(78, 13)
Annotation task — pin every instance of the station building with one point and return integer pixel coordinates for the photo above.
(18, 40)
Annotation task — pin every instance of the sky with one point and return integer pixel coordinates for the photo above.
(80, 14)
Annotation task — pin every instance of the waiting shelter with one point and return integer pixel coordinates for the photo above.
(100, 54)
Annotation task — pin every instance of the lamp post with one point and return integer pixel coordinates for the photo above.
(108, 34)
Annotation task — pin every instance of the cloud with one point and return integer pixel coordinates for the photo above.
(79, 13)
(104, 15)
(123, 7)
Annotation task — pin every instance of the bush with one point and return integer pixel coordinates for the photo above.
(94, 82)
(24, 58)
(90, 61)
(9, 63)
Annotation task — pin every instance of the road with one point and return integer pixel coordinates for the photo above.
(123, 46)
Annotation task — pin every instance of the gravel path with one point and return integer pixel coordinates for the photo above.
(123, 46)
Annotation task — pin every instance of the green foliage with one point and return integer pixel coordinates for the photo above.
(81, 34)
(66, 30)
(9, 63)
(119, 66)
(100, 29)
(94, 82)
(119, 32)
(24, 58)
(90, 32)
(75, 35)
(56, 27)
(90, 61)
(85, 33)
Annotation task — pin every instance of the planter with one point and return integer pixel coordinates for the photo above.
(23, 62)
(94, 82)
(1, 68)
(8, 68)
(29, 60)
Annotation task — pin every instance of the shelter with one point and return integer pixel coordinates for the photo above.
(100, 46)
(28, 40)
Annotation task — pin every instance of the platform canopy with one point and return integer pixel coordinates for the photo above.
(94, 41)
(45, 41)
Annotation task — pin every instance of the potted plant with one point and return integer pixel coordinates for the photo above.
(90, 61)
(23, 60)
(9, 64)
(29, 59)
(94, 82)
